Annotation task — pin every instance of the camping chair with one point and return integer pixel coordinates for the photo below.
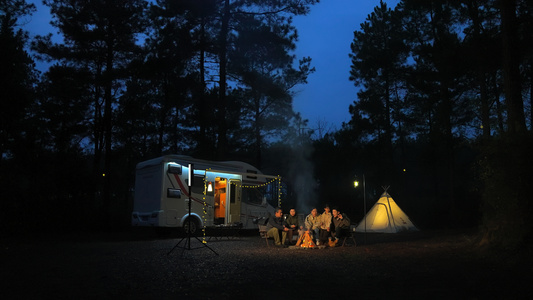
(261, 224)
(349, 234)
(263, 233)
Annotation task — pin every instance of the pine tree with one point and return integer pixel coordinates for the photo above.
(17, 75)
(99, 38)
(378, 57)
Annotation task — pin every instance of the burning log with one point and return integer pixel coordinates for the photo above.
(306, 241)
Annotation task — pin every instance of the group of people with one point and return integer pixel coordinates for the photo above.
(325, 229)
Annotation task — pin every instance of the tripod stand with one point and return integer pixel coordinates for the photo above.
(187, 239)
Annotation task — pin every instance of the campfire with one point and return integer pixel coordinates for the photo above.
(306, 241)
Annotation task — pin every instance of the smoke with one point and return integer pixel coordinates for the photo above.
(302, 179)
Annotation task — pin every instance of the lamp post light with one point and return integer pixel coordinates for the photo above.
(356, 185)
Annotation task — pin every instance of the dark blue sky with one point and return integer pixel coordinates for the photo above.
(324, 35)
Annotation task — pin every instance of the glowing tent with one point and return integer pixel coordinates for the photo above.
(386, 216)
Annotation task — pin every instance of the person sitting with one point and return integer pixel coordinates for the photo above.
(276, 225)
(312, 223)
(325, 226)
(340, 223)
(293, 224)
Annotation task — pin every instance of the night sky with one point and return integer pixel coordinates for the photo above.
(325, 35)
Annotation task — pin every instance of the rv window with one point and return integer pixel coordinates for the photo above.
(174, 169)
(253, 196)
(198, 184)
(173, 193)
(232, 193)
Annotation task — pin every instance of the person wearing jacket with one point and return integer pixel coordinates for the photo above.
(293, 224)
(339, 223)
(325, 225)
(276, 225)
(312, 223)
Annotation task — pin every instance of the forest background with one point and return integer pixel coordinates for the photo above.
(443, 115)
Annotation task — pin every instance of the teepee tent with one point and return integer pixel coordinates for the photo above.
(386, 216)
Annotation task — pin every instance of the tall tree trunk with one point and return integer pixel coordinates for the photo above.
(473, 10)
(511, 63)
(257, 129)
(98, 142)
(202, 139)
(174, 106)
(163, 115)
(485, 110)
(108, 130)
(495, 91)
(531, 94)
(222, 99)
(445, 115)
(450, 161)
(388, 161)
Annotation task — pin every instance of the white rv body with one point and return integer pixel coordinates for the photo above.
(162, 193)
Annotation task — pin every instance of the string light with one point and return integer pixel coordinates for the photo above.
(204, 216)
(279, 191)
(255, 186)
(277, 179)
(205, 205)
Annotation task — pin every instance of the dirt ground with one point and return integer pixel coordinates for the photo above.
(138, 265)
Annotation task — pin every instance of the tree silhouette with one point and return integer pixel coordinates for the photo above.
(99, 38)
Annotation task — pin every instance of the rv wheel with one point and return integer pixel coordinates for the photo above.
(194, 226)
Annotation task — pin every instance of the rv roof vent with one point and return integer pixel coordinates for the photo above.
(253, 172)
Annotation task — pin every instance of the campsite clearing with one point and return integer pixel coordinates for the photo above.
(434, 264)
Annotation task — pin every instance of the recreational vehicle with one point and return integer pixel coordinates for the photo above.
(221, 193)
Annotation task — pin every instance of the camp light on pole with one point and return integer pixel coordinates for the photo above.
(355, 185)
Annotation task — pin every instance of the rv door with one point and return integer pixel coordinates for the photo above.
(234, 201)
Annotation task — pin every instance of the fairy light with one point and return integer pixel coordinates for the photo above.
(279, 191)
(204, 216)
(254, 186)
(277, 179)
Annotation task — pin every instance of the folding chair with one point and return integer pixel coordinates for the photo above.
(349, 234)
(263, 233)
